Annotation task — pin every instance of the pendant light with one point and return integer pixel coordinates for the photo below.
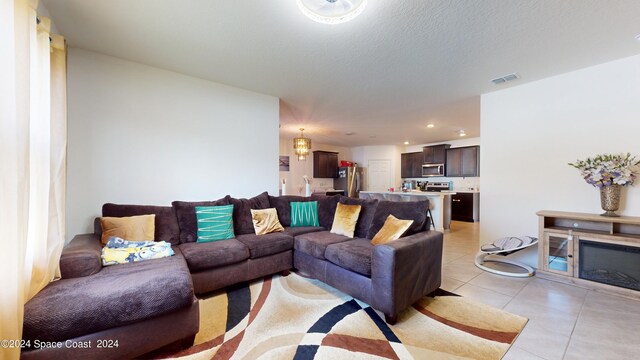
(302, 146)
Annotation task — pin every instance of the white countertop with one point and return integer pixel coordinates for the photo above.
(412, 193)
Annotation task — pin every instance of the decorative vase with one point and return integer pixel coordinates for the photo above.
(610, 200)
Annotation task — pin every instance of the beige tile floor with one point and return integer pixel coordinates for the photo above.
(565, 322)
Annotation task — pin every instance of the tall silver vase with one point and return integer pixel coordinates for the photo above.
(610, 200)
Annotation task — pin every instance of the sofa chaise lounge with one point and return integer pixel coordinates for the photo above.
(151, 304)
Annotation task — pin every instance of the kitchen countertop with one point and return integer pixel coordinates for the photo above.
(439, 203)
(413, 193)
(467, 191)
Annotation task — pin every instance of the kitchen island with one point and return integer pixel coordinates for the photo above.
(439, 203)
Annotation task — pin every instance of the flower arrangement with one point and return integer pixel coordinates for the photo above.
(608, 169)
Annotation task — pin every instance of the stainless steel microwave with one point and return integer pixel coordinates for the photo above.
(432, 170)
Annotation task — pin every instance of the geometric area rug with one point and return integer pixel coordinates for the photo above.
(294, 317)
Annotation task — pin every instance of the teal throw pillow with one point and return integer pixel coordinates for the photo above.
(214, 223)
(304, 214)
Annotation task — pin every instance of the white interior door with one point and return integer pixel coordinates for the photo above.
(379, 175)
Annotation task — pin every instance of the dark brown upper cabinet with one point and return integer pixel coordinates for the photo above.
(411, 165)
(325, 164)
(463, 161)
(435, 154)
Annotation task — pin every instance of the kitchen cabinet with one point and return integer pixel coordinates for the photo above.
(417, 165)
(435, 154)
(557, 250)
(405, 167)
(325, 164)
(463, 161)
(465, 207)
(411, 165)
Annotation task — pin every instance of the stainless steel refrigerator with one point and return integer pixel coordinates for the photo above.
(350, 179)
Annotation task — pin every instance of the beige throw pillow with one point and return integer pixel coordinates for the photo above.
(345, 219)
(392, 229)
(265, 221)
(132, 228)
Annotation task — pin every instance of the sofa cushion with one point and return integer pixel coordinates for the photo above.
(366, 214)
(295, 231)
(116, 296)
(404, 210)
(283, 206)
(326, 209)
(202, 256)
(215, 223)
(354, 255)
(131, 228)
(186, 217)
(267, 244)
(81, 257)
(242, 222)
(166, 224)
(316, 243)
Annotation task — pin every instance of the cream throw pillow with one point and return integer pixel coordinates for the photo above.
(345, 219)
(392, 229)
(265, 221)
(132, 228)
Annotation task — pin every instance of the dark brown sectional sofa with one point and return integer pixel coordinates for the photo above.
(148, 305)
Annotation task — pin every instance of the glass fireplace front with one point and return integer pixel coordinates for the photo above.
(612, 264)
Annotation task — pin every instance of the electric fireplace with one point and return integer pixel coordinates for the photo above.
(612, 264)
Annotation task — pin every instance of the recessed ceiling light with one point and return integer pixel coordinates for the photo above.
(406, 143)
(462, 133)
(430, 126)
(331, 11)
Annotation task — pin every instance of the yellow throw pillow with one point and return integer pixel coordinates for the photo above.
(132, 228)
(392, 229)
(265, 221)
(345, 220)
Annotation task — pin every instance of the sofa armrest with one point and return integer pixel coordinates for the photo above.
(81, 257)
(405, 270)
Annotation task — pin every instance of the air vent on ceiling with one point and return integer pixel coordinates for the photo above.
(504, 79)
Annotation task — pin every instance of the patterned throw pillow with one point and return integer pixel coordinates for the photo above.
(214, 223)
(304, 214)
(392, 229)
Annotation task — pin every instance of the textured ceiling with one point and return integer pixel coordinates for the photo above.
(384, 75)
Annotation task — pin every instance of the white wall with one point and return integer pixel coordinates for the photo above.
(531, 132)
(143, 135)
(297, 169)
(362, 155)
(459, 183)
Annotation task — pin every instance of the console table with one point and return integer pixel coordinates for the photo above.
(589, 250)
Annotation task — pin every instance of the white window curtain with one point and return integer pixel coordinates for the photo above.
(33, 141)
